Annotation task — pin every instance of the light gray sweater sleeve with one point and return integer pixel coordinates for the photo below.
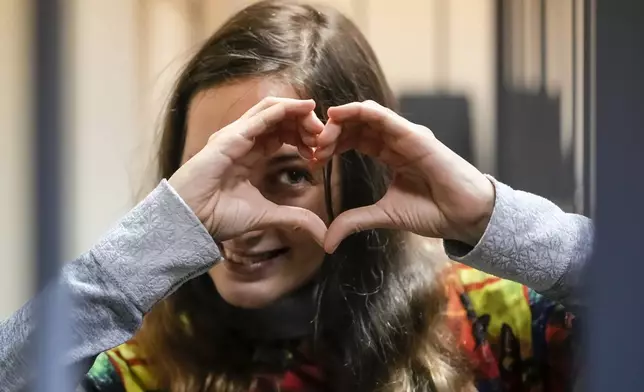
(156, 247)
(531, 241)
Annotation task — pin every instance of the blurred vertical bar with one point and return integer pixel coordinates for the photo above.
(543, 45)
(589, 132)
(615, 316)
(51, 334)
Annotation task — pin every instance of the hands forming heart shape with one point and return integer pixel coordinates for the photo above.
(434, 192)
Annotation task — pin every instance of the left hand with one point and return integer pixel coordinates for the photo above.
(434, 192)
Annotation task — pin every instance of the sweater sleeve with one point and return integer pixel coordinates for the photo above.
(533, 242)
(154, 249)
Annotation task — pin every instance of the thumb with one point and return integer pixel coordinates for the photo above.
(295, 218)
(354, 221)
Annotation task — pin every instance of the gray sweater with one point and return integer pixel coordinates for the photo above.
(160, 244)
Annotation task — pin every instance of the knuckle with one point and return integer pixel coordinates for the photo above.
(269, 101)
(261, 119)
(423, 130)
(301, 219)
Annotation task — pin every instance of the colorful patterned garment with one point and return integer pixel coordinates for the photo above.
(517, 340)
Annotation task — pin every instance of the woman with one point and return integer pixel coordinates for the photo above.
(283, 303)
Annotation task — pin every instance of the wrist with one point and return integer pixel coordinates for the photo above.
(472, 233)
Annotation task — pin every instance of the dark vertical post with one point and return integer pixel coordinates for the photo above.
(578, 205)
(51, 333)
(615, 316)
(501, 68)
(543, 44)
(589, 77)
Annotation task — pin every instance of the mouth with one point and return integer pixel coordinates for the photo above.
(248, 259)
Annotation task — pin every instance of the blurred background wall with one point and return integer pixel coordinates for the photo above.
(122, 57)
(15, 169)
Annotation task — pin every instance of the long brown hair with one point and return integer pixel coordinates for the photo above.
(379, 317)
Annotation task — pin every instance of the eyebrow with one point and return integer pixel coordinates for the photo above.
(285, 158)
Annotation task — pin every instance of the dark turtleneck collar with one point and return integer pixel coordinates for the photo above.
(289, 318)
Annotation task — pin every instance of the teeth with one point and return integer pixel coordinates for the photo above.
(245, 260)
(249, 260)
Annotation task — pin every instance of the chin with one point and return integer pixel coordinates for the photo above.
(247, 298)
(253, 294)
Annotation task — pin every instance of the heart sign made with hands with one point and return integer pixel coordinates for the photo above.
(215, 182)
(434, 192)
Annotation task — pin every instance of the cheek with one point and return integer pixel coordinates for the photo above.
(311, 198)
(307, 255)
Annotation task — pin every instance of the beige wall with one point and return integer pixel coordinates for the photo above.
(104, 128)
(15, 162)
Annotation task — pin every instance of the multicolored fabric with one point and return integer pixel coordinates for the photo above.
(516, 339)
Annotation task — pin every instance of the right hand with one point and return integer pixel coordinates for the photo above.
(215, 182)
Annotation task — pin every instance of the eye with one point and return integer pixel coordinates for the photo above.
(294, 176)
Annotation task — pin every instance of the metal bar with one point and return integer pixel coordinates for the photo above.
(51, 333)
(501, 70)
(578, 138)
(543, 44)
(578, 200)
(589, 136)
(615, 318)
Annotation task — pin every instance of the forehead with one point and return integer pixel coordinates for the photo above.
(213, 109)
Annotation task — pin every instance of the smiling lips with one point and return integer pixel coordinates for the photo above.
(254, 258)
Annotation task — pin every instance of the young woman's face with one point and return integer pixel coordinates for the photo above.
(264, 265)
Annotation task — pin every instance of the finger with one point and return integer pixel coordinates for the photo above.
(372, 113)
(292, 129)
(259, 106)
(326, 153)
(266, 119)
(265, 104)
(367, 144)
(305, 151)
(328, 140)
(353, 221)
(309, 128)
(329, 134)
(293, 139)
(309, 140)
(268, 144)
(295, 218)
(311, 124)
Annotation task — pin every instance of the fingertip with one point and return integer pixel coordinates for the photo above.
(333, 110)
(334, 236)
(298, 106)
(312, 124)
(329, 248)
(305, 152)
(343, 112)
(309, 140)
(318, 230)
(323, 154)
